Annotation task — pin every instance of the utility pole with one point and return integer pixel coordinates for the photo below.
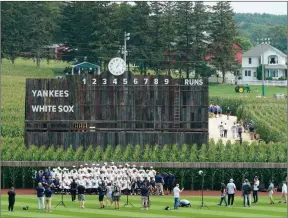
(262, 42)
(126, 38)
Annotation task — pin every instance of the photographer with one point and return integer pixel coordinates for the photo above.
(144, 196)
(102, 191)
(177, 192)
(116, 195)
(73, 187)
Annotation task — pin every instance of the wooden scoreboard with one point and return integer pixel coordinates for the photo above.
(106, 109)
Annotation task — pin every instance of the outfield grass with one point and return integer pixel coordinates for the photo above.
(225, 90)
(261, 210)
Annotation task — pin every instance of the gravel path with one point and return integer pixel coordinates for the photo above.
(215, 133)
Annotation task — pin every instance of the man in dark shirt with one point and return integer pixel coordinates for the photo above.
(73, 188)
(48, 195)
(11, 199)
(40, 196)
(159, 184)
(144, 196)
(171, 181)
(102, 191)
(56, 183)
(81, 196)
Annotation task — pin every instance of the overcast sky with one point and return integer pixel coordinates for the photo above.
(279, 8)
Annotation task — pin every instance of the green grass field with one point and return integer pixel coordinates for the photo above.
(261, 210)
(225, 90)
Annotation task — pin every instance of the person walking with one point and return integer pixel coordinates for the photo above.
(225, 130)
(231, 189)
(81, 195)
(221, 128)
(159, 184)
(11, 199)
(246, 192)
(116, 195)
(223, 194)
(255, 189)
(109, 194)
(40, 196)
(228, 112)
(48, 196)
(251, 130)
(271, 191)
(73, 189)
(102, 191)
(144, 196)
(234, 130)
(284, 193)
(177, 192)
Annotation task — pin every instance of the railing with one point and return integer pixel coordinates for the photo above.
(266, 82)
(194, 165)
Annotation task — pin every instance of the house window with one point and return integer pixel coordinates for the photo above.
(259, 60)
(273, 59)
(273, 73)
(250, 60)
(247, 72)
(254, 74)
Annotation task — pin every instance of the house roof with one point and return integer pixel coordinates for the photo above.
(258, 49)
(86, 65)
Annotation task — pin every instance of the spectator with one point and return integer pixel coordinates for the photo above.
(159, 184)
(284, 193)
(73, 187)
(246, 191)
(102, 191)
(48, 195)
(251, 130)
(40, 196)
(223, 194)
(255, 189)
(144, 196)
(11, 199)
(116, 195)
(225, 130)
(228, 112)
(234, 130)
(81, 195)
(221, 128)
(271, 191)
(177, 192)
(231, 189)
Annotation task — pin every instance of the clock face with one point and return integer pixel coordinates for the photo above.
(117, 66)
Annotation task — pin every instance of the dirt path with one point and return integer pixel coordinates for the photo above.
(215, 133)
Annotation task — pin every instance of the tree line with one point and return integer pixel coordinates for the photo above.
(165, 36)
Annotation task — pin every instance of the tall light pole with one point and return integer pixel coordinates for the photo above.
(262, 42)
(126, 38)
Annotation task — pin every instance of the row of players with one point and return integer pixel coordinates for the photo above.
(91, 177)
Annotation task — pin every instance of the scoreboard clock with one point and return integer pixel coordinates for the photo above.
(117, 66)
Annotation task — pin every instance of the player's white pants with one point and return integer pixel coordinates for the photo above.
(41, 205)
(234, 132)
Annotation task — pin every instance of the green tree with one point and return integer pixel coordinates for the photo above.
(185, 34)
(223, 31)
(244, 42)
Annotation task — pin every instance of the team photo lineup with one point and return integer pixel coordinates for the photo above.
(135, 109)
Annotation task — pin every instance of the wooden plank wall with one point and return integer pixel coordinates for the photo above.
(141, 106)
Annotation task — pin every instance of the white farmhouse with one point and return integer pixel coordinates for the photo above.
(274, 62)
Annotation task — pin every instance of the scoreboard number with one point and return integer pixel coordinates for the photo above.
(137, 81)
